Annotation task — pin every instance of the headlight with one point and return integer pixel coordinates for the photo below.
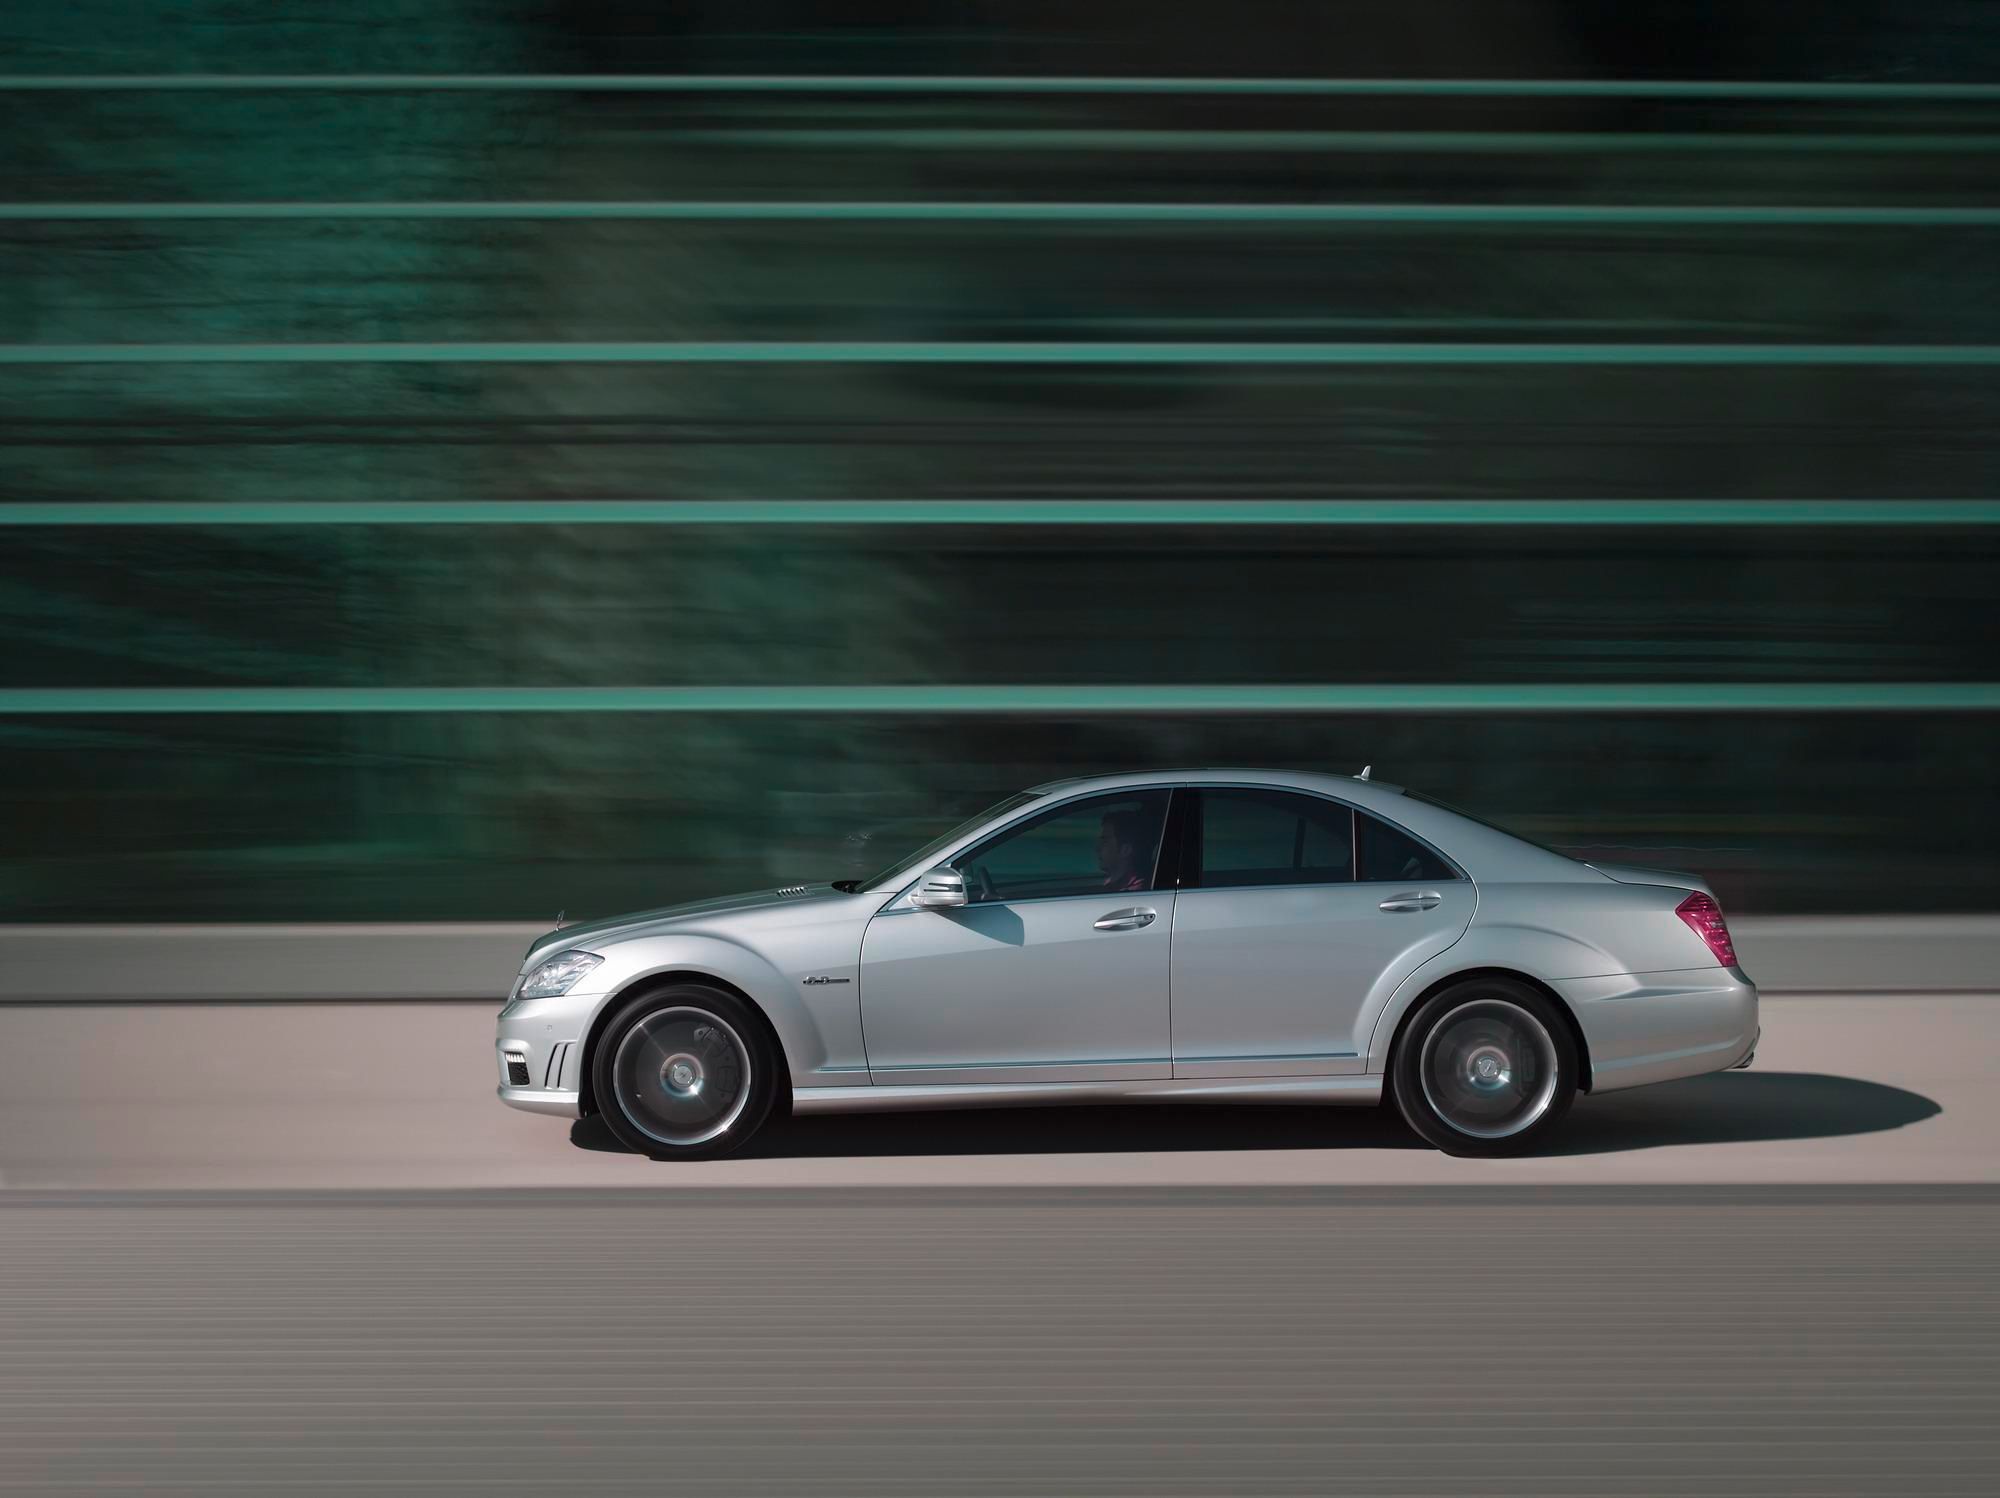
(558, 975)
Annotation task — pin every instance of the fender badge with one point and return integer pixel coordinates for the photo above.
(822, 978)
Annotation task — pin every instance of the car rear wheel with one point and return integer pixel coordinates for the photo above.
(1485, 1067)
(684, 1073)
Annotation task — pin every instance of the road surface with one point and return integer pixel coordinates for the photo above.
(175, 1096)
(302, 1250)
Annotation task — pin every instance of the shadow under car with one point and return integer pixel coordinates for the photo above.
(1723, 1108)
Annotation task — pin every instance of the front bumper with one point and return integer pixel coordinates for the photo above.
(1655, 1027)
(538, 1052)
(552, 1101)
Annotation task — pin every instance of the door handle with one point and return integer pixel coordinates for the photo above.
(1422, 899)
(1126, 920)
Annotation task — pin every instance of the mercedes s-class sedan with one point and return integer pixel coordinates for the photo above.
(1192, 936)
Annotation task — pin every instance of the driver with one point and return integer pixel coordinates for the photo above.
(1118, 852)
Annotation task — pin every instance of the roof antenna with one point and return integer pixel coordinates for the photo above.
(1364, 772)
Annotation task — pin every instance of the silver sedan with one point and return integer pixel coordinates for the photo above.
(1206, 935)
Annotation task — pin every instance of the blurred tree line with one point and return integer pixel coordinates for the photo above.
(436, 815)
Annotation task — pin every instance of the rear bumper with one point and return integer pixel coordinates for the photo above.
(1655, 1027)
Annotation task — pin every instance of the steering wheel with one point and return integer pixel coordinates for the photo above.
(982, 883)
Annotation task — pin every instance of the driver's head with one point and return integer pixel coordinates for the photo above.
(1118, 844)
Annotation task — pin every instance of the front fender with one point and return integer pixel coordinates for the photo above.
(818, 1025)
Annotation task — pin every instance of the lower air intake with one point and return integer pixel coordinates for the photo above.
(517, 1072)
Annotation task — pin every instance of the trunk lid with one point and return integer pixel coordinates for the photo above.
(1632, 873)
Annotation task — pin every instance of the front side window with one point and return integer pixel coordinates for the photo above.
(1252, 837)
(1100, 845)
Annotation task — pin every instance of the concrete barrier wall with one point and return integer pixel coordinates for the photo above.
(477, 961)
(276, 963)
(1871, 953)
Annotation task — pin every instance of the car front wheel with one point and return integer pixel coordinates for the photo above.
(684, 1073)
(1485, 1067)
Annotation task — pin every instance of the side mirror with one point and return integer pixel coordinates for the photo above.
(940, 889)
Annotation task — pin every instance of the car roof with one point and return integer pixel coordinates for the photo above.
(1482, 850)
(1217, 775)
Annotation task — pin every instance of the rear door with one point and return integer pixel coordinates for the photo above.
(1278, 944)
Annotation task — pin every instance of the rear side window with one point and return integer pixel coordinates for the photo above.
(1270, 837)
(1389, 855)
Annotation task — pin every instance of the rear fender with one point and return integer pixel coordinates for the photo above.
(1553, 933)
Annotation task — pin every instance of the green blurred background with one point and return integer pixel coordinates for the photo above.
(925, 206)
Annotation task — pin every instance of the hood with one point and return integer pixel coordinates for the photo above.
(590, 935)
(1631, 873)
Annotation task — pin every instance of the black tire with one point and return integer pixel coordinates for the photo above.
(685, 1072)
(1485, 1067)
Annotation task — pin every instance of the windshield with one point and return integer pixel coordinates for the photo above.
(937, 845)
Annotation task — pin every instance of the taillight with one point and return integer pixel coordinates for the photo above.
(1704, 918)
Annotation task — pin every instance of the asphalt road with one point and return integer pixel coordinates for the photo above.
(1845, 1090)
(1001, 1341)
(263, 1250)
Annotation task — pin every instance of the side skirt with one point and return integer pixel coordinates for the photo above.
(1359, 1090)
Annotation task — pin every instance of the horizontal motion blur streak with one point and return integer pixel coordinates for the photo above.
(1084, 700)
(833, 83)
(900, 512)
(1459, 214)
(1488, 142)
(843, 352)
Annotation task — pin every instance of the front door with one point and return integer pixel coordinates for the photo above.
(1278, 946)
(1056, 971)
